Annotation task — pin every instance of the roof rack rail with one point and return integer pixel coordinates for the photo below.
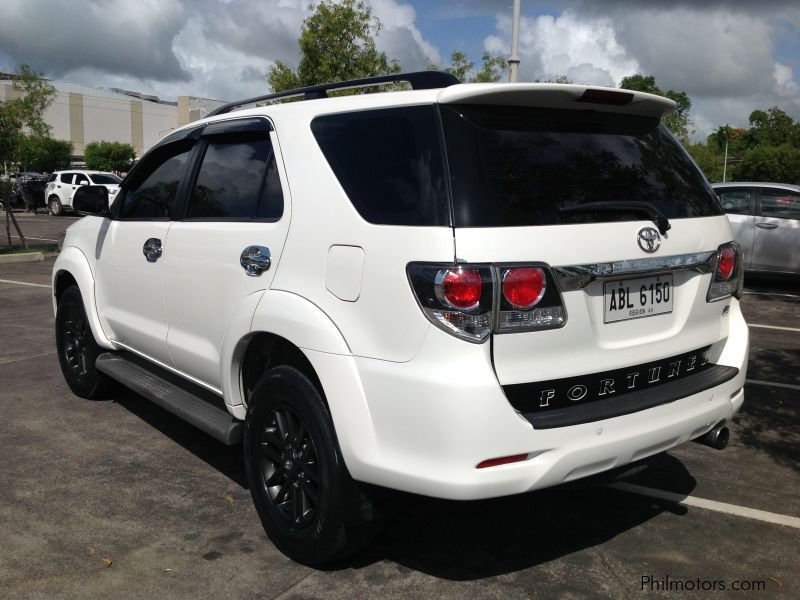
(419, 80)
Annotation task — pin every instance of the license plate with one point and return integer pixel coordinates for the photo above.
(636, 298)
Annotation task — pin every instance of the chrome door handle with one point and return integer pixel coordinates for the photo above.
(152, 250)
(766, 225)
(255, 260)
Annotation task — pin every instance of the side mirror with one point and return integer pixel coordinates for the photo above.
(91, 200)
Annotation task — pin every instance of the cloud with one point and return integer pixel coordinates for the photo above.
(114, 36)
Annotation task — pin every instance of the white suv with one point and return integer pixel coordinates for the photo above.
(61, 186)
(461, 290)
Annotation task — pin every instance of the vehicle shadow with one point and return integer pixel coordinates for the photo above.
(463, 541)
(225, 459)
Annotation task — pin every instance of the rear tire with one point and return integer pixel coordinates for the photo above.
(54, 206)
(77, 348)
(298, 480)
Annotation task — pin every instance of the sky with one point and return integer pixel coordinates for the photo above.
(730, 56)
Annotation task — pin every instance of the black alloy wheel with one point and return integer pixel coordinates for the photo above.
(77, 348)
(309, 506)
(288, 466)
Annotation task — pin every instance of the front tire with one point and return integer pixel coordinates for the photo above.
(299, 483)
(54, 205)
(77, 348)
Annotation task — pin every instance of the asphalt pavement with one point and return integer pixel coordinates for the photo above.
(120, 499)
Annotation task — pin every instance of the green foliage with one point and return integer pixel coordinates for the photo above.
(25, 113)
(337, 42)
(42, 154)
(779, 163)
(709, 159)
(678, 122)
(492, 69)
(109, 156)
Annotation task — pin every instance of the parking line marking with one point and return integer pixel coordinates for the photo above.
(788, 386)
(773, 327)
(30, 237)
(25, 283)
(772, 294)
(723, 507)
(14, 360)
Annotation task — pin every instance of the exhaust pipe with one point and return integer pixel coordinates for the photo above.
(717, 438)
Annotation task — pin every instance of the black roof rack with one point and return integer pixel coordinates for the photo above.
(419, 80)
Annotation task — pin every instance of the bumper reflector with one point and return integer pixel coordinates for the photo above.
(493, 462)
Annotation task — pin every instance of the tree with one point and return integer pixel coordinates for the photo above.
(337, 42)
(25, 113)
(771, 163)
(492, 69)
(678, 122)
(42, 154)
(109, 156)
(773, 127)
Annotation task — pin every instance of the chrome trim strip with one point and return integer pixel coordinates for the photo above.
(577, 277)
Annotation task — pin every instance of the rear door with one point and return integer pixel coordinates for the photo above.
(228, 242)
(564, 188)
(777, 231)
(739, 204)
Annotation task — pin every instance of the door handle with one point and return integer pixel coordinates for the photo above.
(255, 260)
(766, 226)
(152, 250)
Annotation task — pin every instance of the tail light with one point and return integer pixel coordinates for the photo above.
(470, 301)
(728, 277)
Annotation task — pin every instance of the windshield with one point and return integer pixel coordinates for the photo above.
(105, 178)
(518, 166)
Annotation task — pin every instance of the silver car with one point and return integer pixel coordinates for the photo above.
(765, 218)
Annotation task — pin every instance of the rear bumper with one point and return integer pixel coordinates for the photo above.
(423, 426)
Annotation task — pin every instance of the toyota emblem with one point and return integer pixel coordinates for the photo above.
(649, 239)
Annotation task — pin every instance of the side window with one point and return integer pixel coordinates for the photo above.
(52, 177)
(780, 203)
(237, 180)
(152, 192)
(736, 201)
(67, 177)
(81, 179)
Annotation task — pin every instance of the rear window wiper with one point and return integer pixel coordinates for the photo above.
(634, 206)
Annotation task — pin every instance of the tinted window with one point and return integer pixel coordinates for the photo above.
(780, 203)
(67, 177)
(514, 166)
(81, 179)
(52, 177)
(152, 192)
(736, 201)
(388, 162)
(105, 178)
(234, 181)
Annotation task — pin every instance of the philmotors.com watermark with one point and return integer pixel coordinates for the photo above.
(665, 583)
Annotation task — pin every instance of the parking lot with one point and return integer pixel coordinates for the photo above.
(121, 499)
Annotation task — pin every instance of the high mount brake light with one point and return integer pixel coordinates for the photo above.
(470, 301)
(728, 277)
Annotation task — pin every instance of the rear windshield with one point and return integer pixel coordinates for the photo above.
(516, 166)
(105, 179)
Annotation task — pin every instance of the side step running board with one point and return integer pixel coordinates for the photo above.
(182, 399)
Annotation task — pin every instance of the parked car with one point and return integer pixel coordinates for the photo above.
(765, 218)
(461, 290)
(28, 186)
(61, 186)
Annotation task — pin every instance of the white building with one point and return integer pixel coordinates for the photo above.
(81, 114)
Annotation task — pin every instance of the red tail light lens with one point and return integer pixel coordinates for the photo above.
(727, 262)
(459, 288)
(523, 287)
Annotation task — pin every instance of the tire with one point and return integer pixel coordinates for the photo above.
(54, 206)
(298, 480)
(77, 349)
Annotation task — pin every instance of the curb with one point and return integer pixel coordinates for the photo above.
(21, 258)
